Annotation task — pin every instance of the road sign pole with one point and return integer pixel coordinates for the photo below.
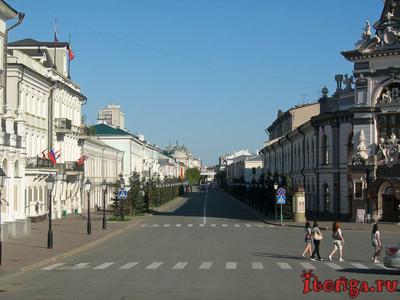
(281, 214)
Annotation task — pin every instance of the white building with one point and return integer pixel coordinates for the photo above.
(112, 115)
(48, 104)
(226, 159)
(102, 162)
(12, 145)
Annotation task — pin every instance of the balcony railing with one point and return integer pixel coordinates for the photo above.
(73, 166)
(38, 163)
(63, 124)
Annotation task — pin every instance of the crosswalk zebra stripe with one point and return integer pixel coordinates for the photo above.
(179, 266)
(190, 225)
(237, 225)
(224, 225)
(178, 225)
(128, 265)
(103, 266)
(257, 266)
(154, 265)
(334, 266)
(79, 266)
(213, 225)
(359, 266)
(248, 225)
(231, 266)
(284, 266)
(202, 225)
(166, 225)
(52, 267)
(205, 265)
(143, 225)
(156, 225)
(307, 266)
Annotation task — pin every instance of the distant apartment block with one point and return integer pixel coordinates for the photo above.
(112, 116)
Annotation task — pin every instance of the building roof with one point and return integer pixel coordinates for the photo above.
(34, 43)
(104, 129)
(7, 10)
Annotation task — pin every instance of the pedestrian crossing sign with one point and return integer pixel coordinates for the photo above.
(281, 199)
(122, 194)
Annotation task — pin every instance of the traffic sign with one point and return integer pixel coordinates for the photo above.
(281, 192)
(281, 199)
(122, 194)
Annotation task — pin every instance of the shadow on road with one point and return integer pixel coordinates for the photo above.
(274, 255)
(371, 271)
(218, 206)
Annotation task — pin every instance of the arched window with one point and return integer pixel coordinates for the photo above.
(325, 150)
(5, 166)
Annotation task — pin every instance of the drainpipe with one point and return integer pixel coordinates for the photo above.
(19, 87)
(291, 159)
(21, 17)
(304, 155)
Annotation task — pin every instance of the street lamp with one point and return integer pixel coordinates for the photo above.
(88, 186)
(50, 186)
(276, 205)
(2, 181)
(104, 188)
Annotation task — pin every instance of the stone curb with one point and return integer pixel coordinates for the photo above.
(71, 252)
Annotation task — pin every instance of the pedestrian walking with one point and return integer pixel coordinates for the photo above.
(317, 238)
(338, 241)
(376, 243)
(307, 239)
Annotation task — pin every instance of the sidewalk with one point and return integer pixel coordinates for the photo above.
(324, 225)
(69, 237)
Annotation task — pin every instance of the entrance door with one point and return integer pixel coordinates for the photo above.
(391, 208)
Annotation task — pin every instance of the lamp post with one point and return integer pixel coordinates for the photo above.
(88, 186)
(276, 205)
(104, 188)
(122, 185)
(50, 186)
(2, 181)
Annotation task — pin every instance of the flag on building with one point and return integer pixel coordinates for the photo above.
(71, 54)
(55, 36)
(81, 160)
(53, 156)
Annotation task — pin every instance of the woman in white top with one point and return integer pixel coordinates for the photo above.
(376, 243)
(338, 241)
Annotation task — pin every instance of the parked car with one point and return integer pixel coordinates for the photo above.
(392, 258)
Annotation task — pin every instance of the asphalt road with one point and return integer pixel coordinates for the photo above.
(205, 247)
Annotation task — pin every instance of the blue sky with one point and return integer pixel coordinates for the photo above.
(210, 73)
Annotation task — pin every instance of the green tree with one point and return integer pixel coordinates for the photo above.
(193, 175)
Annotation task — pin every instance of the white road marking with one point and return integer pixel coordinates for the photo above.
(190, 225)
(224, 225)
(307, 266)
(79, 266)
(270, 226)
(237, 225)
(178, 225)
(284, 266)
(257, 266)
(154, 265)
(359, 266)
(166, 225)
(179, 266)
(231, 266)
(383, 266)
(52, 267)
(128, 265)
(213, 225)
(156, 225)
(143, 225)
(202, 225)
(103, 266)
(248, 225)
(205, 265)
(334, 266)
(261, 225)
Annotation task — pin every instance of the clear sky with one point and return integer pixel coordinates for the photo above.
(209, 73)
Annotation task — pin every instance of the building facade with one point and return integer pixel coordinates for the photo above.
(112, 115)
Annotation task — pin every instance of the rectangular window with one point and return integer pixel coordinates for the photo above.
(358, 189)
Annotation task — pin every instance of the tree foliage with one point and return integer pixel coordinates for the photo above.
(193, 176)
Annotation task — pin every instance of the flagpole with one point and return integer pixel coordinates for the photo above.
(55, 44)
(69, 60)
